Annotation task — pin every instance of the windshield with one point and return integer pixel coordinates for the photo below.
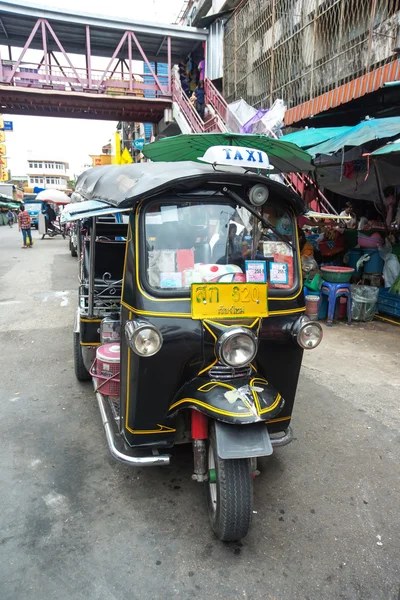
(197, 242)
(33, 206)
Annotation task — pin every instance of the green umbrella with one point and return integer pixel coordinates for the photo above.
(284, 156)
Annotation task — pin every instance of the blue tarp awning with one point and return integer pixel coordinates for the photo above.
(391, 148)
(313, 136)
(364, 132)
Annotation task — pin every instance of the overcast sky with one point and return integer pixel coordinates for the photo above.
(73, 140)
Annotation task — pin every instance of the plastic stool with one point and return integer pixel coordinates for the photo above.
(334, 291)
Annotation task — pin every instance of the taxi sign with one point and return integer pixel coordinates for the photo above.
(236, 156)
(229, 300)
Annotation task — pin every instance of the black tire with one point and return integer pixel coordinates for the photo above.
(81, 373)
(73, 249)
(231, 510)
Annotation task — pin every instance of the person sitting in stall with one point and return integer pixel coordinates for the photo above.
(389, 200)
(306, 249)
(348, 212)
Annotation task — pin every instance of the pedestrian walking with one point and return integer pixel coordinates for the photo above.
(10, 217)
(200, 93)
(24, 225)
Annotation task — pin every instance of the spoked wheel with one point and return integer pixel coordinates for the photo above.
(81, 372)
(229, 494)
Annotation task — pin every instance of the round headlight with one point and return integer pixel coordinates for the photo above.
(309, 335)
(143, 339)
(237, 347)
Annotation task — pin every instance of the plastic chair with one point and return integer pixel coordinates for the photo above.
(334, 291)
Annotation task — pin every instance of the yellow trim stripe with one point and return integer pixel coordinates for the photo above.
(90, 320)
(150, 313)
(90, 343)
(231, 325)
(387, 320)
(162, 428)
(213, 384)
(260, 410)
(128, 239)
(152, 298)
(212, 408)
(216, 358)
(278, 420)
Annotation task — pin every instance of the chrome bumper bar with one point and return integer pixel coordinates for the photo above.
(282, 439)
(120, 454)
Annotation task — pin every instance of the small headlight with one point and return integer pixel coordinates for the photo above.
(237, 347)
(309, 335)
(143, 338)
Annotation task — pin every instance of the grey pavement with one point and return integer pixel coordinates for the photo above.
(75, 525)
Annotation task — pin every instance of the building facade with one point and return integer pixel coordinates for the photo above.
(314, 54)
(47, 174)
(211, 14)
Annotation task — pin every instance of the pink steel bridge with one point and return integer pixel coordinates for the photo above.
(86, 65)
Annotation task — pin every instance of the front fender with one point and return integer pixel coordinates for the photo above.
(247, 400)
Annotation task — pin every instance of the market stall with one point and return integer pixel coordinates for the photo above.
(355, 262)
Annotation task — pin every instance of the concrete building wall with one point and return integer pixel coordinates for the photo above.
(299, 49)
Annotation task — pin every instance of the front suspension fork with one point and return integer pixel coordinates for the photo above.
(199, 437)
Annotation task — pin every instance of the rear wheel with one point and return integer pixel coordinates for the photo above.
(81, 372)
(229, 494)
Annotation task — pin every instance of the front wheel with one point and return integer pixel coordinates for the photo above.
(229, 494)
(81, 372)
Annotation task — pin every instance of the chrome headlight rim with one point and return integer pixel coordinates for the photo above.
(228, 336)
(132, 330)
(300, 325)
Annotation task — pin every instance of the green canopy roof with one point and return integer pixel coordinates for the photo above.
(313, 136)
(283, 156)
(12, 205)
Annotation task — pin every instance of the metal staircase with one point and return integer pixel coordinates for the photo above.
(189, 121)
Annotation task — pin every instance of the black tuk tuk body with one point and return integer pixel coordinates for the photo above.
(180, 383)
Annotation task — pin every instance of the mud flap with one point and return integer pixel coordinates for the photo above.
(242, 441)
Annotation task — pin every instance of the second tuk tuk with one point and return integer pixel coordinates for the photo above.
(193, 328)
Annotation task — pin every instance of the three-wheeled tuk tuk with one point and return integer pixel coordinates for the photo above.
(193, 328)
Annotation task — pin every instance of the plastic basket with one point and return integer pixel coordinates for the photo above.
(388, 303)
(107, 382)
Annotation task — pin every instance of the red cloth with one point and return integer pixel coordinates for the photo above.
(185, 260)
(24, 220)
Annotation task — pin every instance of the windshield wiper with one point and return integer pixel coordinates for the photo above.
(265, 222)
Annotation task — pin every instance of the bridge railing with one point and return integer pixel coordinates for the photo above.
(66, 78)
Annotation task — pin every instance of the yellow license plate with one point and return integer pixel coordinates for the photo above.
(229, 300)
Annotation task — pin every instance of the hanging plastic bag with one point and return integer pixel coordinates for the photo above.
(391, 269)
(395, 289)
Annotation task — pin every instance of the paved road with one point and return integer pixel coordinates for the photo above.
(74, 525)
